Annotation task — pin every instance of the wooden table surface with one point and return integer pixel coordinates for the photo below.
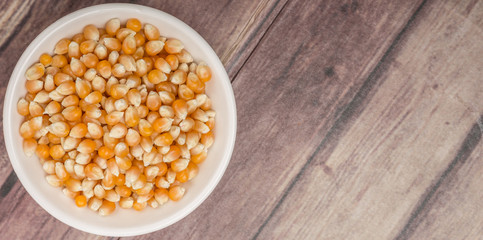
(356, 119)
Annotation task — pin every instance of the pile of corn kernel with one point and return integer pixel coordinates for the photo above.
(118, 115)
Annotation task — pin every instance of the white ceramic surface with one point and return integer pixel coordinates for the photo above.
(122, 222)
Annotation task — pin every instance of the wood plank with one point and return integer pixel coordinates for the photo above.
(308, 66)
(12, 14)
(454, 210)
(367, 178)
(230, 31)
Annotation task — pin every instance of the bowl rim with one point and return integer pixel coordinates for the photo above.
(10, 108)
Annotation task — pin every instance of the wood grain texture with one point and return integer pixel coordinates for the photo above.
(288, 96)
(455, 211)
(372, 175)
(356, 119)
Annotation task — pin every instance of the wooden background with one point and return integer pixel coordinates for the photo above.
(356, 119)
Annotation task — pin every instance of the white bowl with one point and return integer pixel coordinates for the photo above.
(123, 222)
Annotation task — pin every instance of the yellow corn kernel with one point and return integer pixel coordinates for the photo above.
(182, 176)
(114, 118)
(93, 97)
(141, 67)
(81, 201)
(34, 86)
(207, 105)
(132, 174)
(35, 109)
(86, 146)
(194, 83)
(60, 171)
(29, 147)
(42, 151)
(73, 51)
(62, 46)
(123, 163)
(176, 193)
(100, 51)
(94, 203)
(90, 60)
(92, 111)
(163, 168)
(104, 68)
(87, 47)
(91, 32)
(162, 124)
(78, 131)
(161, 195)
(52, 70)
(112, 26)
(52, 108)
(145, 128)
(118, 131)
(59, 61)
(45, 59)
(187, 124)
(185, 93)
(139, 206)
(72, 113)
(173, 154)
(199, 158)
(59, 129)
(128, 62)
(73, 185)
(154, 47)
(153, 101)
(207, 139)
(156, 76)
(140, 39)
(201, 127)
(66, 88)
(123, 191)
(178, 77)
(131, 117)
(95, 130)
(93, 172)
(118, 91)
(121, 150)
(118, 70)
(172, 61)
(179, 164)
(210, 123)
(78, 68)
(163, 140)
(192, 170)
(162, 65)
(112, 44)
(107, 208)
(53, 180)
(129, 45)
(60, 78)
(108, 182)
(180, 108)
(134, 24)
(203, 72)
(184, 56)
(23, 107)
(78, 38)
(173, 46)
(151, 32)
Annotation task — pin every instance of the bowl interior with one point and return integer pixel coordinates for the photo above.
(122, 222)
